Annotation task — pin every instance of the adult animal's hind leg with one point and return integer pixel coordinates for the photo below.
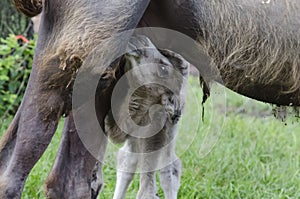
(43, 105)
(97, 180)
(71, 175)
(28, 137)
(76, 172)
(8, 142)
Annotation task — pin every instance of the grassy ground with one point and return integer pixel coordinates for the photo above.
(238, 151)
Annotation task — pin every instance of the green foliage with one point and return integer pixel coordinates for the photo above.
(12, 21)
(15, 65)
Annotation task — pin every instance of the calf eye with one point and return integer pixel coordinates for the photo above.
(162, 71)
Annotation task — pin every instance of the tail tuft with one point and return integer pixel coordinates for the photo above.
(30, 8)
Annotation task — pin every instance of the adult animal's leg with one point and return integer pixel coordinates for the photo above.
(97, 180)
(59, 54)
(28, 136)
(8, 141)
(72, 171)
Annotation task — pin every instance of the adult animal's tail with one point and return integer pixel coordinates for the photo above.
(30, 8)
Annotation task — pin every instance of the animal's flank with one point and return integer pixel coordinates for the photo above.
(253, 44)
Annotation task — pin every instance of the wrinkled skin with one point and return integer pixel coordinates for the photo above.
(70, 156)
(58, 48)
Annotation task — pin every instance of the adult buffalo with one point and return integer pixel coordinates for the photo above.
(254, 44)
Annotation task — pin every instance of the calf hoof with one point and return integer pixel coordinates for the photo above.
(148, 196)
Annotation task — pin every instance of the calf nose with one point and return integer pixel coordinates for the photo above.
(175, 118)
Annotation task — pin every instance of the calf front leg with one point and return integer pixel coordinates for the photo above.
(170, 179)
(170, 175)
(148, 188)
(127, 163)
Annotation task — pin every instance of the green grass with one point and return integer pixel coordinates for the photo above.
(243, 152)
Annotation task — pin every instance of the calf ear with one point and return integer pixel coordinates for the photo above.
(176, 60)
(131, 61)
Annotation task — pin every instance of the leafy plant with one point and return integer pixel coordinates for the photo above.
(15, 66)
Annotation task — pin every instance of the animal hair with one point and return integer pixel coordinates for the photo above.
(72, 35)
(258, 44)
(30, 8)
(148, 95)
(156, 148)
